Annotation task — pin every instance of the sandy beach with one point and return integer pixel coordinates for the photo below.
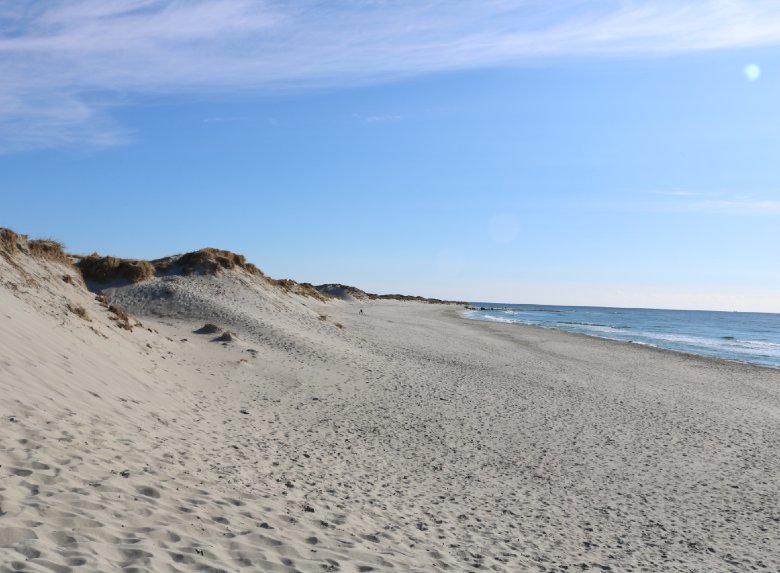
(404, 439)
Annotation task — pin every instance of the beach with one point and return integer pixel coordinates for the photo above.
(407, 438)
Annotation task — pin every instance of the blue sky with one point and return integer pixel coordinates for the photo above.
(608, 153)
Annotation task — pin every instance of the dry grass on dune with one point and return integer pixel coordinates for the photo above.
(12, 243)
(410, 298)
(212, 261)
(303, 289)
(9, 242)
(106, 269)
(121, 317)
(79, 311)
(226, 336)
(206, 261)
(49, 249)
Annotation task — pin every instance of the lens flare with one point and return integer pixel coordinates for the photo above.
(752, 72)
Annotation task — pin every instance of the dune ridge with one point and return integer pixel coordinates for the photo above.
(294, 434)
(101, 270)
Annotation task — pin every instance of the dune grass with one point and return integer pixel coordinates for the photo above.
(121, 317)
(12, 243)
(50, 250)
(79, 311)
(212, 261)
(107, 269)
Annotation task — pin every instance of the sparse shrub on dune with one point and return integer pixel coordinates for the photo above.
(307, 289)
(212, 261)
(253, 269)
(12, 243)
(121, 316)
(286, 285)
(349, 292)
(409, 298)
(79, 311)
(226, 336)
(162, 265)
(49, 249)
(345, 292)
(9, 242)
(303, 289)
(106, 269)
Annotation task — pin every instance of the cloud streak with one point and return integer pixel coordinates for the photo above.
(715, 202)
(736, 207)
(65, 64)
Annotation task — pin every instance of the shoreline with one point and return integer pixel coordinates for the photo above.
(629, 342)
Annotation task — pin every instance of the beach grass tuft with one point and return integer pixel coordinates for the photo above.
(79, 311)
(107, 269)
(49, 249)
(121, 317)
(213, 261)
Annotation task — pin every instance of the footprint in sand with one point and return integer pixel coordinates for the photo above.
(148, 492)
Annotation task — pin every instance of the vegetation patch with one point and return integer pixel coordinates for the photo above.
(107, 269)
(9, 242)
(79, 311)
(49, 250)
(212, 261)
(409, 298)
(12, 243)
(303, 289)
(346, 291)
(121, 317)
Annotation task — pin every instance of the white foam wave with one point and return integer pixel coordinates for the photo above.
(751, 347)
(493, 318)
(731, 348)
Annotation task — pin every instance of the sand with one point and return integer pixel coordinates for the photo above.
(405, 439)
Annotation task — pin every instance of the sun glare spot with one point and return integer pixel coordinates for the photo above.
(752, 72)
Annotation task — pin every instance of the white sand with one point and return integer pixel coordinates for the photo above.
(410, 440)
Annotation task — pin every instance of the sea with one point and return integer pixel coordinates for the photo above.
(752, 337)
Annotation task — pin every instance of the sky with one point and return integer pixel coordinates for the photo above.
(616, 153)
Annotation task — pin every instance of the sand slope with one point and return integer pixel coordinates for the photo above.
(408, 440)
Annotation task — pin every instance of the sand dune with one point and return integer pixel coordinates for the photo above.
(406, 439)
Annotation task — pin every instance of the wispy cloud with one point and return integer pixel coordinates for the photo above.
(683, 193)
(65, 64)
(735, 206)
(722, 202)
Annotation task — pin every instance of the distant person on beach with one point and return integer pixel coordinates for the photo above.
(361, 311)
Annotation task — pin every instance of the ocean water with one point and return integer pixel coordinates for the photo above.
(742, 336)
